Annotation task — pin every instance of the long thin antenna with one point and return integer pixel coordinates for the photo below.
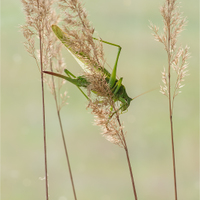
(145, 93)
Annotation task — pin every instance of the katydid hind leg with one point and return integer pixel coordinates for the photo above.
(114, 72)
(109, 43)
(113, 75)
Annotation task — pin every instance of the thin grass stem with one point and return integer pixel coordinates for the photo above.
(63, 136)
(43, 110)
(169, 98)
(128, 159)
(131, 173)
(44, 123)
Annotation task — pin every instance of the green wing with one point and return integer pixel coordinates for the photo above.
(78, 56)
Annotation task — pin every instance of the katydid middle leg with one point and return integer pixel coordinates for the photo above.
(123, 104)
(71, 78)
(70, 74)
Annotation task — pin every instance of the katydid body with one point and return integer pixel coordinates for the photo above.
(116, 86)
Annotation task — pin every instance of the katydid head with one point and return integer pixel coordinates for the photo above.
(124, 106)
(124, 98)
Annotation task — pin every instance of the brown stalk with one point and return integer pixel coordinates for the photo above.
(43, 107)
(128, 159)
(169, 98)
(177, 61)
(131, 173)
(63, 137)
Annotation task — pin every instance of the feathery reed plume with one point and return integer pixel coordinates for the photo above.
(40, 15)
(79, 32)
(36, 12)
(174, 23)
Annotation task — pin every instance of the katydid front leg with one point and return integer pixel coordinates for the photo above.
(124, 103)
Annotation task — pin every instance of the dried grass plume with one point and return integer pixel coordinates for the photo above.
(174, 24)
(81, 33)
(40, 15)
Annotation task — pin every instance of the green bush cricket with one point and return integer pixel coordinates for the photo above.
(115, 85)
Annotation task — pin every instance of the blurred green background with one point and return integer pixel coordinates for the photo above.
(100, 168)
